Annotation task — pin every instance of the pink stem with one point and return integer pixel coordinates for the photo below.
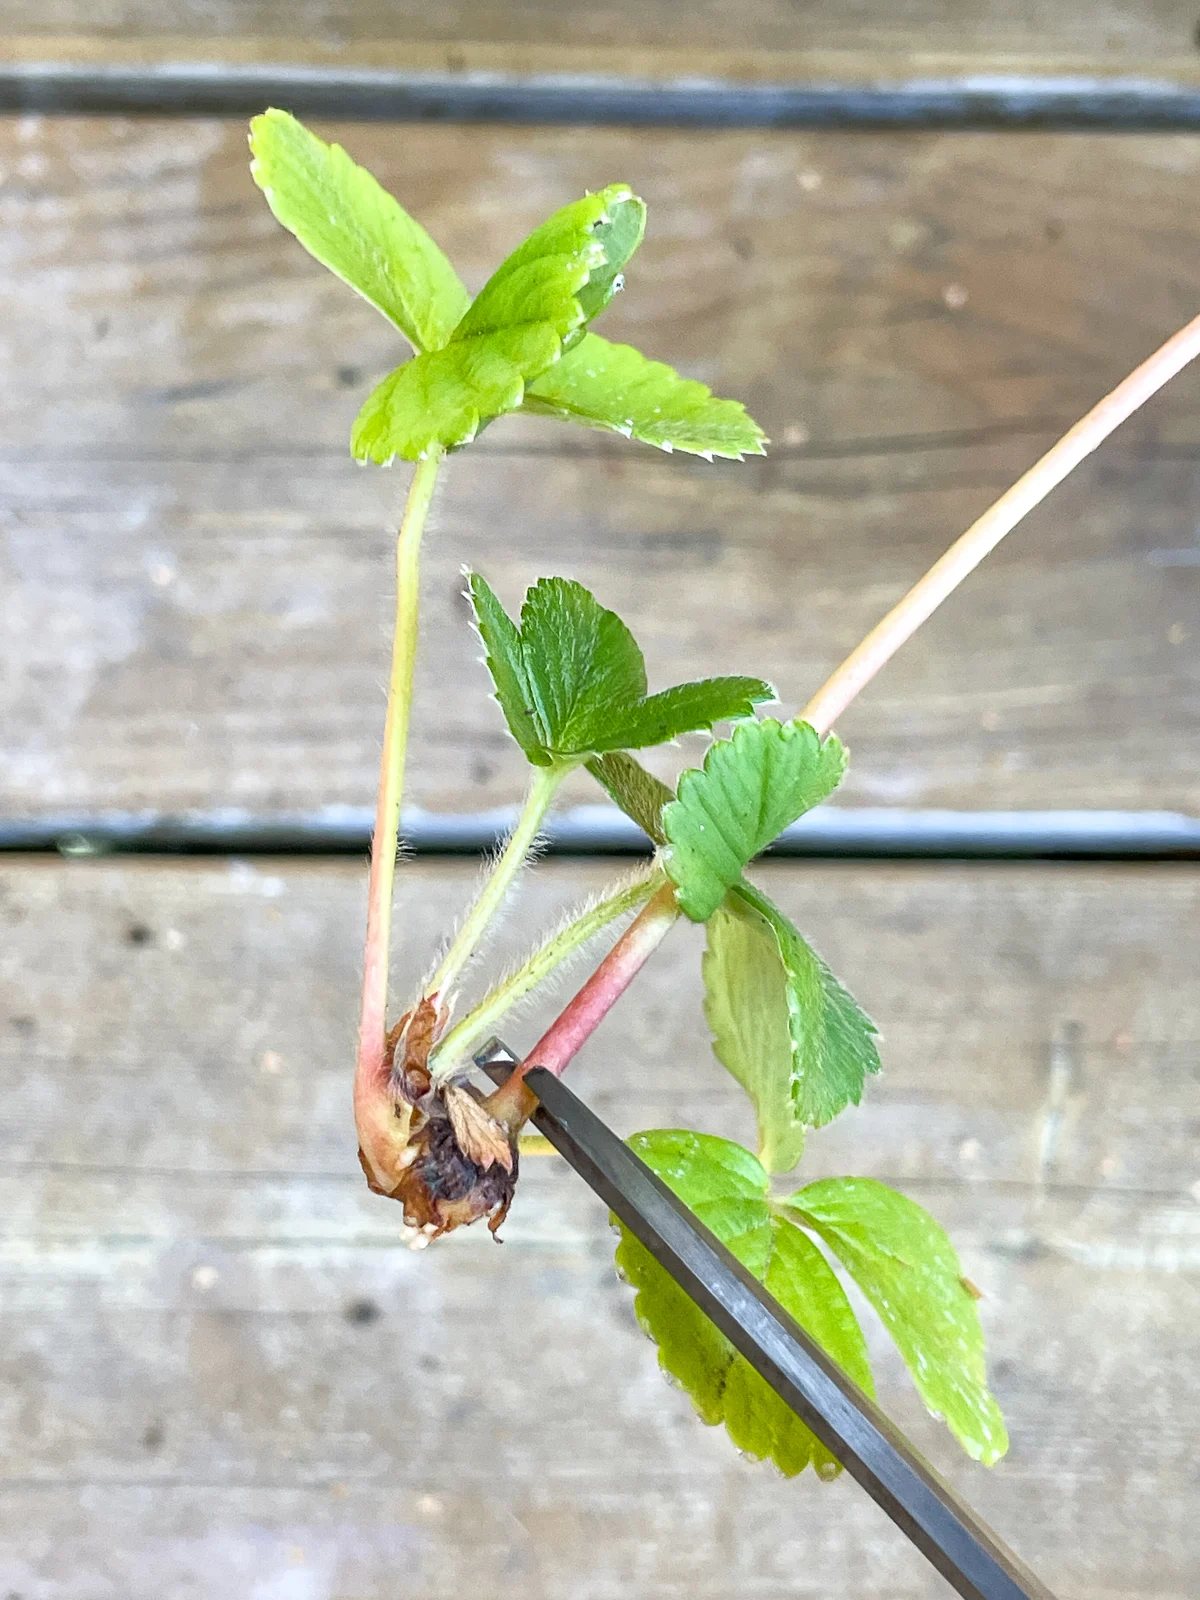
(823, 710)
(512, 1102)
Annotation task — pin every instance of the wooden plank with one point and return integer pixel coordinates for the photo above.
(863, 41)
(223, 1375)
(195, 576)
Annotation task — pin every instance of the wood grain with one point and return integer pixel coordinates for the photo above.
(195, 582)
(222, 1375)
(846, 40)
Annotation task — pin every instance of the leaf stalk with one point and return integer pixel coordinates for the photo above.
(513, 1102)
(370, 1074)
(543, 786)
(475, 1027)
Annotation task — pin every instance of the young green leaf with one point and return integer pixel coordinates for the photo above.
(340, 215)
(639, 793)
(750, 787)
(442, 399)
(832, 1039)
(907, 1268)
(727, 1189)
(615, 387)
(746, 1006)
(571, 680)
(513, 331)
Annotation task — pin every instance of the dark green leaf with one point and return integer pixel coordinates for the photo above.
(750, 787)
(572, 683)
(727, 1189)
(639, 793)
(832, 1038)
(907, 1268)
(615, 387)
(340, 215)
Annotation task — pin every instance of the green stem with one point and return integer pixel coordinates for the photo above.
(475, 1027)
(512, 1103)
(369, 1072)
(542, 789)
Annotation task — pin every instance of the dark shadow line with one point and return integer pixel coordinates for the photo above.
(862, 833)
(981, 101)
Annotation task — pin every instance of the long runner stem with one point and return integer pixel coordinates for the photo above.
(923, 599)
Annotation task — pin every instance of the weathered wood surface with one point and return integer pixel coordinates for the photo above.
(221, 1375)
(842, 40)
(195, 577)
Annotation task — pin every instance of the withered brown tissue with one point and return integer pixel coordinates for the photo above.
(460, 1164)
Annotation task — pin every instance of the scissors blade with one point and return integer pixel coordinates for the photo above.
(943, 1527)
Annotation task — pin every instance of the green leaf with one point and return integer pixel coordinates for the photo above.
(620, 236)
(512, 332)
(340, 215)
(750, 787)
(746, 1006)
(442, 399)
(639, 793)
(907, 1268)
(727, 1189)
(571, 680)
(832, 1039)
(615, 387)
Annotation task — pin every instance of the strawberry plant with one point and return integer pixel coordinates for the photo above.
(571, 684)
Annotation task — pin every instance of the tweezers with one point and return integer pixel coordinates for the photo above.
(927, 1510)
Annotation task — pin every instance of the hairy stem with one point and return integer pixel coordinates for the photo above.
(369, 1071)
(542, 788)
(823, 710)
(512, 1102)
(459, 1043)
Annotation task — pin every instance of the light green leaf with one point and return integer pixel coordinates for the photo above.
(340, 215)
(639, 793)
(441, 400)
(620, 236)
(746, 1006)
(750, 787)
(572, 682)
(727, 1189)
(512, 332)
(615, 387)
(542, 279)
(907, 1268)
(832, 1039)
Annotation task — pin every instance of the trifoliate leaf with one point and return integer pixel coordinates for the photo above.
(351, 225)
(615, 387)
(746, 1006)
(907, 1268)
(512, 332)
(571, 680)
(727, 1189)
(639, 793)
(832, 1038)
(750, 787)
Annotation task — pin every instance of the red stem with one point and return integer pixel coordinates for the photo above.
(512, 1102)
